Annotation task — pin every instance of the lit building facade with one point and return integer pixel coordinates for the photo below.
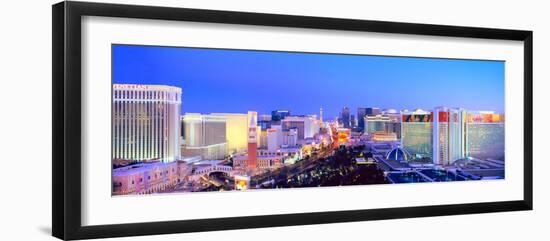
(291, 152)
(449, 126)
(262, 162)
(384, 136)
(446, 135)
(146, 178)
(145, 122)
(344, 135)
(270, 159)
(307, 126)
(416, 133)
(274, 137)
(263, 139)
(204, 135)
(462, 133)
(242, 182)
(236, 132)
(290, 138)
(375, 123)
(485, 136)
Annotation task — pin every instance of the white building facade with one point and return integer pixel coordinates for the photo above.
(307, 126)
(145, 122)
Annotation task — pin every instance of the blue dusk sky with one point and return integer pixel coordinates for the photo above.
(214, 80)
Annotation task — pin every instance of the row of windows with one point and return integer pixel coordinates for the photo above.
(149, 177)
(138, 138)
(144, 94)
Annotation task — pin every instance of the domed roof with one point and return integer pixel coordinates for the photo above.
(390, 111)
(397, 154)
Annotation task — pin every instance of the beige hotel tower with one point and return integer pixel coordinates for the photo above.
(145, 122)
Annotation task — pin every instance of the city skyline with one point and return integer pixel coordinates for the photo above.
(191, 120)
(471, 84)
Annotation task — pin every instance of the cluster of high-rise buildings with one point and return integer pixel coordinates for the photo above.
(147, 126)
(441, 136)
(445, 135)
(218, 135)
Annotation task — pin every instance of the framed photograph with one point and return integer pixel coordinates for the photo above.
(170, 120)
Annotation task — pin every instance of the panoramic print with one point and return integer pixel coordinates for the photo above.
(202, 120)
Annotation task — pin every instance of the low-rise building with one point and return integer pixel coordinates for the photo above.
(145, 178)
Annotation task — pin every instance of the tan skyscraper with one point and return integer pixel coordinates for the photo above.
(236, 131)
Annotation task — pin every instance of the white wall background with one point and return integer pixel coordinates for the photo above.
(25, 122)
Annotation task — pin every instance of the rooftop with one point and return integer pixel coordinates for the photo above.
(146, 87)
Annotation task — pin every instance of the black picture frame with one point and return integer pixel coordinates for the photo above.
(66, 122)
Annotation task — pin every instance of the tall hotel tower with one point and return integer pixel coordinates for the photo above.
(145, 122)
(449, 133)
(439, 134)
